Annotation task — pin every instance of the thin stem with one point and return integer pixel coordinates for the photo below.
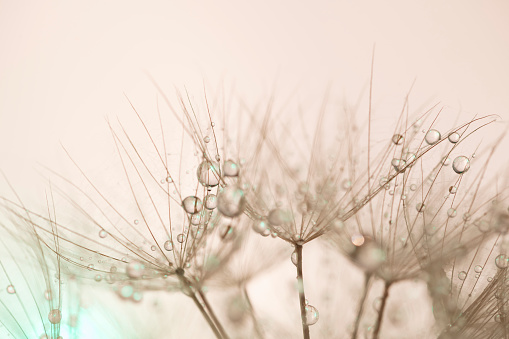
(189, 291)
(302, 295)
(367, 278)
(378, 325)
(212, 314)
(256, 324)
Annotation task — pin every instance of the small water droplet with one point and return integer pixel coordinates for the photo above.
(357, 239)
(192, 204)
(181, 238)
(420, 207)
(206, 139)
(98, 277)
(478, 269)
(136, 221)
(55, 316)
(453, 189)
(502, 261)
(451, 212)
(230, 168)
(454, 137)
(210, 201)
(231, 201)
(135, 269)
(461, 164)
(312, 315)
(10, 289)
(294, 258)
(462, 275)
(102, 234)
(261, 227)
(208, 173)
(168, 245)
(47, 294)
(397, 139)
(432, 137)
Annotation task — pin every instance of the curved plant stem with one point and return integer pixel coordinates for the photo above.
(367, 278)
(378, 326)
(302, 295)
(212, 314)
(189, 291)
(256, 324)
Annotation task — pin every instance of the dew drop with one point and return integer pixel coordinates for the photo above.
(231, 201)
(135, 269)
(454, 137)
(10, 289)
(208, 173)
(153, 247)
(210, 201)
(181, 238)
(55, 316)
(432, 137)
(312, 315)
(478, 269)
(98, 277)
(260, 227)
(47, 294)
(461, 164)
(453, 189)
(278, 217)
(499, 318)
(413, 187)
(502, 261)
(206, 139)
(446, 161)
(168, 245)
(136, 221)
(102, 234)
(230, 168)
(451, 212)
(294, 258)
(397, 139)
(192, 204)
(462, 275)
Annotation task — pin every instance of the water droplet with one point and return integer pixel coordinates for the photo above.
(153, 247)
(102, 234)
(446, 161)
(98, 277)
(208, 173)
(462, 275)
(454, 137)
(453, 189)
(432, 137)
(47, 294)
(478, 269)
(54, 316)
(261, 227)
(294, 258)
(413, 187)
(230, 168)
(192, 204)
(499, 318)
(10, 289)
(490, 279)
(168, 245)
(461, 164)
(312, 315)
(420, 207)
(347, 184)
(136, 221)
(502, 261)
(231, 201)
(210, 201)
(451, 212)
(126, 291)
(206, 139)
(397, 139)
(278, 217)
(135, 269)
(466, 216)
(90, 267)
(181, 238)
(357, 239)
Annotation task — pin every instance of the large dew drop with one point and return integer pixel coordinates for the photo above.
(210, 201)
(461, 164)
(231, 201)
(192, 204)
(502, 261)
(432, 137)
(208, 173)
(454, 137)
(397, 139)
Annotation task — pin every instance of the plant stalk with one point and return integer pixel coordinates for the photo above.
(376, 332)
(302, 295)
(212, 314)
(367, 278)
